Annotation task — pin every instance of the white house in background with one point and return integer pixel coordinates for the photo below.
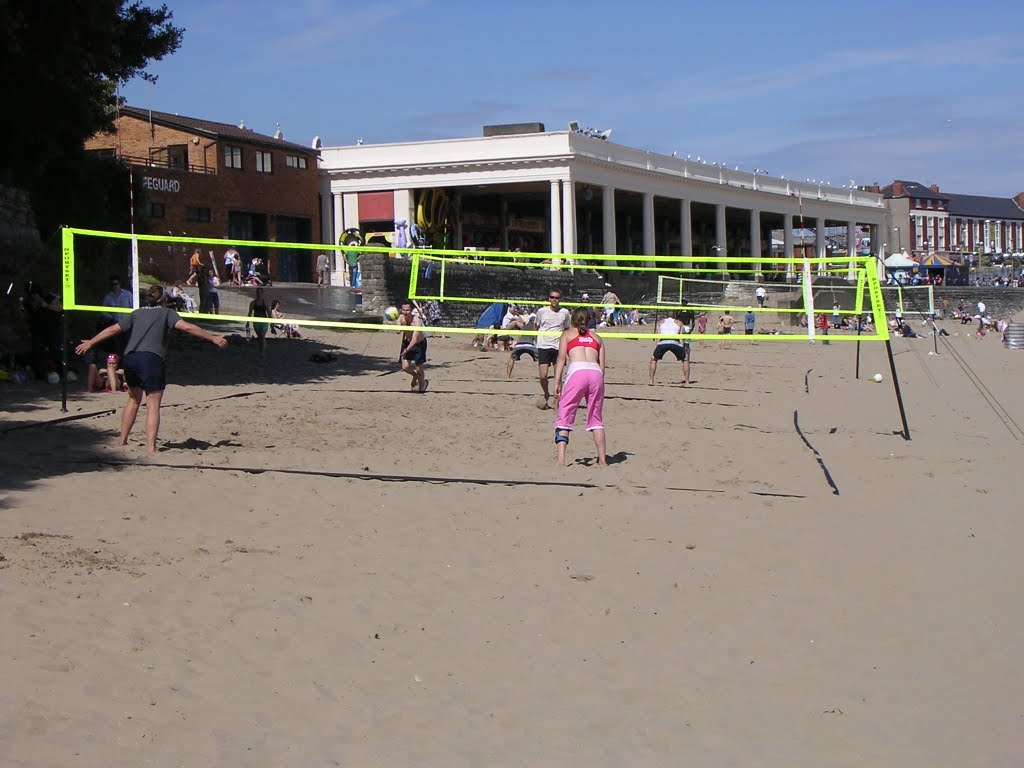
(566, 192)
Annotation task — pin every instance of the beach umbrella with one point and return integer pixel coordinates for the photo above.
(491, 316)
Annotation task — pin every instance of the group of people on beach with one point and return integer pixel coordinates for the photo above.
(235, 271)
(566, 340)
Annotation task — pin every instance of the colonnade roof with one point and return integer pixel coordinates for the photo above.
(564, 154)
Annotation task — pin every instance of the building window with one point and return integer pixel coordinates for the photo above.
(194, 213)
(232, 157)
(929, 204)
(294, 161)
(177, 156)
(105, 152)
(264, 162)
(153, 210)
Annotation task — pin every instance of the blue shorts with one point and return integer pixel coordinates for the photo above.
(145, 370)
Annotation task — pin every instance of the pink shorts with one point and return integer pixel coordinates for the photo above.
(584, 381)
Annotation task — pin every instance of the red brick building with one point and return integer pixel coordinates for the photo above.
(199, 178)
(925, 220)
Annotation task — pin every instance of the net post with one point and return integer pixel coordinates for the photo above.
(136, 301)
(64, 360)
(856, 369)
(896, 386)
(444, 261)
(414, 275)
(67, 237)
(858, 306)
(809, 300)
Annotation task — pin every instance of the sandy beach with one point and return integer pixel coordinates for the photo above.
(320, 568)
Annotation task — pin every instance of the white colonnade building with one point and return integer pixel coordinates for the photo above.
(564, 192)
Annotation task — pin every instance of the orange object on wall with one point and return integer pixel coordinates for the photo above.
(376, 206)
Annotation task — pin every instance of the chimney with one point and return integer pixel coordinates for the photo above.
(1019, 200)
(875, 187)
(898, 190)
(934, 188)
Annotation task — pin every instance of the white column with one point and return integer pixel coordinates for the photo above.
(338, 217)
(648, 203)
(568, 216)
(608, 222)
(720, 239)
(755, 243)
(556, 218)
(685, 231)
(405, 209)
(851, 250)
(819, 241)
(326, 213)
(338, 220)
(787, 244)
(350, 210)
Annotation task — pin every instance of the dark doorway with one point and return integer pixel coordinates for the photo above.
(292, 265)
(249, 226)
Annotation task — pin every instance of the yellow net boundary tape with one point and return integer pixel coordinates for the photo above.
(865, 276)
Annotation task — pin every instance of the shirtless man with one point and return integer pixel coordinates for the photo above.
(414, 347)
(725, 324)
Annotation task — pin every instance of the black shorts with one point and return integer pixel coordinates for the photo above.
(547, 356)
(727, 330)
(524, 349)
(416, 355)
(681, 351)
(748, 331)
(146, 370)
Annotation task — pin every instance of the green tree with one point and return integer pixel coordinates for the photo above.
(62, 60)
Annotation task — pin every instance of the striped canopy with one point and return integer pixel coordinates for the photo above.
(935, 260)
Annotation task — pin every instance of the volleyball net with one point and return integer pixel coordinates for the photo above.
(711, 293)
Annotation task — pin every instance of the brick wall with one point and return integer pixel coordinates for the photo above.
(207, 183)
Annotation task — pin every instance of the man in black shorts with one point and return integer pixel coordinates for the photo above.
(149, 332)
(678, 323)
(414, 347)
(551, 321)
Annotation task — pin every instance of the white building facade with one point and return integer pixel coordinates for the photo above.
(563, 192)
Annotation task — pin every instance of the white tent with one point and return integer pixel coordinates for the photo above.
(899, 261)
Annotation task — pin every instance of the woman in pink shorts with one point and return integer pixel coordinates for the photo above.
(581, 358)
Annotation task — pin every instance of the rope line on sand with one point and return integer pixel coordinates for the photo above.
(1015, 430)
(61, 420)
(428, 479)
(817, 456)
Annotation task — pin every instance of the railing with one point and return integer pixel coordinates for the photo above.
(158, 162)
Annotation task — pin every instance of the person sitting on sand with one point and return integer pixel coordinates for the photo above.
(291, 331)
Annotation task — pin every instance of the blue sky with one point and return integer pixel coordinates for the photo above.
(829, 90)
